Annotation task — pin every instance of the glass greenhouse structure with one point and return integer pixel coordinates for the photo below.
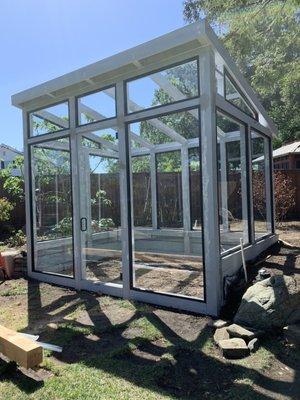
(146, 170)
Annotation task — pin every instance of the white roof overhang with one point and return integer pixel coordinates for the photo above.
(132, 62)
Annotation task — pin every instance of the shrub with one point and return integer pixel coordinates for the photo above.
(17, 239)
(284, 193)
(5, 209)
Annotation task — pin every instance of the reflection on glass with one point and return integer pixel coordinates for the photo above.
(234, 96)
(232, 184)
(260, 184)
(163, 87)
(100, 207)
(52, 207)
(50, 119)
(97, 106)
(167, 250)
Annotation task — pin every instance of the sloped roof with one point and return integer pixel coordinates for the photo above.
(6, 146)
(287, 149)
(85, 79)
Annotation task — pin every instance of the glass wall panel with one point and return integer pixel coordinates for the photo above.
(164, 130)
(167, 86)
(195, 188)
(52, 207)
(234, 96)
(100, 218)
(96, 106)
(232, 183)
(141, 184)
(261, 185)
(50, 119)
(167, 252)
(169, 190)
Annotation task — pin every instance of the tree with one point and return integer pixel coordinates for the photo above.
(263, 36)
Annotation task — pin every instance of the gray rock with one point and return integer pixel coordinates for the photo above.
(268, 304)
(253, 345)
(221, 334)
(219, 323)
(238, 331)
(234, 348)
(292, 334)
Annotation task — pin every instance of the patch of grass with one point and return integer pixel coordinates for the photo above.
(148, 330)
(13, 289)
(68, 331)
(50, 365)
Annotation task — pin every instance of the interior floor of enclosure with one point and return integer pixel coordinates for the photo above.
(161, 263)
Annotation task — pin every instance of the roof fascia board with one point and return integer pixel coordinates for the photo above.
(230, 64)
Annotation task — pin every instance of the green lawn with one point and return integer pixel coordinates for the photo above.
(115, 349)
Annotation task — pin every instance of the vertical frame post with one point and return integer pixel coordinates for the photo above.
(125, 191)
(213, 271)
(153, 182)
(250, 187)
(272, 187)
(268, 183)
(244, 186)
(75, 193)
(28, 205)
(186, 208)
(224, 191)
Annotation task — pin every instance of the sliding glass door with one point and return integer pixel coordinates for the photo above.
(52, 207)
(99, 203)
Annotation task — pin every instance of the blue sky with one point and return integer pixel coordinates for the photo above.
(42, 39)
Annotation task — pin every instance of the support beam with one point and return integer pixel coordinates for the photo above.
(97, 116)
(156, 123)
(110, 145)
(52, 118)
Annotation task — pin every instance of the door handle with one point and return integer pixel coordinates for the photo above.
(83, 224)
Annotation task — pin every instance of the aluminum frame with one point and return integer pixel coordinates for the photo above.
(195, 41)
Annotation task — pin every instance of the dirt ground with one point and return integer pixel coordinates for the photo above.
(144, 351)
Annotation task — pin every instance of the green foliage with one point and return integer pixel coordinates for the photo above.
(264, 39)
(5, 209)
(17, 239)
(14, 184)
(63, 228)
(102, 224)
(101, 196)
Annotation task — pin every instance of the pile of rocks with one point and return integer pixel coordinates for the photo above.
(235, 341)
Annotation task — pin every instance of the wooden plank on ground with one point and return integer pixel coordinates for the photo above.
(22, 350)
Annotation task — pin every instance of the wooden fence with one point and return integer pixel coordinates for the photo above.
(168, 190)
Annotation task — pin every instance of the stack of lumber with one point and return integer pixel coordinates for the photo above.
(24, 351)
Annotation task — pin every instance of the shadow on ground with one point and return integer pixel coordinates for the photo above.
(167, 352)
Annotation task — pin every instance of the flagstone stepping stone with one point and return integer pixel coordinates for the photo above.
(234, 348)
(220, 334)
(253, 345)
